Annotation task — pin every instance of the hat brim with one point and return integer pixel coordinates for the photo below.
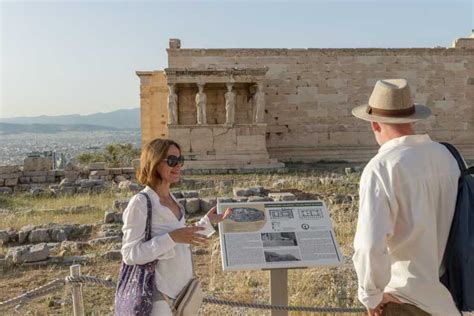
(421, 112)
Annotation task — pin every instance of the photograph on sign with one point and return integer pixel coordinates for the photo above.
(271, 235)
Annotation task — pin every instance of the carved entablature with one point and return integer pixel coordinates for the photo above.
(195, 75)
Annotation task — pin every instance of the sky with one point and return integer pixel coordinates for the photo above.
(80, 57)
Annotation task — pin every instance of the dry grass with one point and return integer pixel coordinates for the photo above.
(307, 287)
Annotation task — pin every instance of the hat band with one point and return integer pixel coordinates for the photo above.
(391, 113)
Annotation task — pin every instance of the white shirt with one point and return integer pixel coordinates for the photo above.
(174, 268)
(407, 199)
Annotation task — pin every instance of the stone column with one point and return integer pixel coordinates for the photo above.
(259, 103)
(201, 100)
(172, 105)
(229, 105)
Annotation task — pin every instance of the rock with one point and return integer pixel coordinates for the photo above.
(190, 194)
(24, 232)
(259, 199)
(28, 253)
(104, 240)
(193, 205)
(13, 235)
(115, 255)
(97, 166)
(340, 199)
(241, 199)
(118, 218)
(58, 234)
(35, 191)
(182, 202)
(257, 190)
(71, 167)
(74, 245)
(54, 245)
(123, 185)
(120, 178)
(109, 216)
(4, 237)
(239, 192)
(200, 251)
(67, 190)
(6, 190)
(225, 200)
(207, 204)
(39, 235)
(120, 205)
(66, 182)
(71, 176)
(349, 170)
(284, 196)
(177, 194)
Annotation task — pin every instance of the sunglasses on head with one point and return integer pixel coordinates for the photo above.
(172, 160)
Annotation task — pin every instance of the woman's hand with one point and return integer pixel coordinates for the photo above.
(217, 218)
(188, 235)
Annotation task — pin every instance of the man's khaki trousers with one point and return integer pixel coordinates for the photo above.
(393, 309)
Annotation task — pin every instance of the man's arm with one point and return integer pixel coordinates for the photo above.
(374, 226)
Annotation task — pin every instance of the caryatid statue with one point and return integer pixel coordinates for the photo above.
(172, 105)
(259, 103)
(229, 105)
(201, 100)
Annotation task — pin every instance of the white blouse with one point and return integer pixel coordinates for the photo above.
(174, 268)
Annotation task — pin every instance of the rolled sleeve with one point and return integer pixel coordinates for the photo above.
(134, 249)
(371, 259)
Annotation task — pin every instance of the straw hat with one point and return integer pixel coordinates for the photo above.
(391, 102)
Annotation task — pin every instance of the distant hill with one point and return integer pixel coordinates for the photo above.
(7, 128)
(120, 119)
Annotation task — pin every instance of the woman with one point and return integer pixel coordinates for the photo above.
(160, 166)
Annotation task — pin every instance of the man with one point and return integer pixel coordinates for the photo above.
(407, 199)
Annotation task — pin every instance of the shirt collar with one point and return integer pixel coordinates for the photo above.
(409, 140)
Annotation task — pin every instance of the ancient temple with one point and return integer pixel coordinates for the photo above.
(246, 109)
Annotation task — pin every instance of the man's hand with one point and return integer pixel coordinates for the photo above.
(378, 310)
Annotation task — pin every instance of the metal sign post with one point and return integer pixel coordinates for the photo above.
(279, 290)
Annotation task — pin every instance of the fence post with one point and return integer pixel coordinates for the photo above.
(77, 301)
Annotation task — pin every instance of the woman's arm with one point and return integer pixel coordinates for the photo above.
(134, 249)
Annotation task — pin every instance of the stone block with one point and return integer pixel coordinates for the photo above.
(259, 199)
(190, 194)
(9, 169)
(136, 164)
(207, 204)
(39, 235)
(105, 240)
(24, 180)
(120, 205)
(38, 179)
(11, 182)
(6, 176)
(128, 170)
(284, 196)
(97, 166)
(114, 171)
(255, 143)
(4, 237)
(37, 164)
(58, 234)
(225, 140)
(35, 173)
(114, 255)
(109, 216)
(201, 140)
(193, 205)
(239, 192)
